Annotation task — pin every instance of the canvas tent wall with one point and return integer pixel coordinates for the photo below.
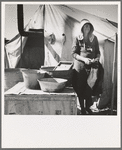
(26, 52)
(108, 74)
(61, 24)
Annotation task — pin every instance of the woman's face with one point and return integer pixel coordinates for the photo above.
(86, 28)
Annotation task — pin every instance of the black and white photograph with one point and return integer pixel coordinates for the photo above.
(61, 74)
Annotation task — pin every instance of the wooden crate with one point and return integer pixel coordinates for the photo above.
(62, 70)
(64, 65)
(64, 103)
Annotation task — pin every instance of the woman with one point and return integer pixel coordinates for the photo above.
(85, 51)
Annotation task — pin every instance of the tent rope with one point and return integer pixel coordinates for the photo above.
(106, 35)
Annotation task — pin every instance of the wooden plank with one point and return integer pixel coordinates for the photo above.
(48, 107)
(73, 107)
(16, 107)
(19, 89)
(58, 108)
(35, 107)
(6, 106)
(24, 108)
(40, 98)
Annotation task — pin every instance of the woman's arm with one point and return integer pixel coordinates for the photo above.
(97, 51)
(76, 51)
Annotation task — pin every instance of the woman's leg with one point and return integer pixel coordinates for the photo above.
(79, 82)
(81, 101)
(88, 98)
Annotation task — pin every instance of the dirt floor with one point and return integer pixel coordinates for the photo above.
(105, 111)
(96, 111)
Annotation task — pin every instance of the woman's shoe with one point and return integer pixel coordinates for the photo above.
(88, 110)
(83, 112)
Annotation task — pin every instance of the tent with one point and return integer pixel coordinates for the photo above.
(61, 25)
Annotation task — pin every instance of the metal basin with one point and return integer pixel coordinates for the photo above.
(30, 77)
(52, 84)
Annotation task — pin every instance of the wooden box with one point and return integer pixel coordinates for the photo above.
(62, 70)
(37, 102)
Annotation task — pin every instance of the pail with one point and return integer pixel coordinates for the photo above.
(11, 77)
(30, 77)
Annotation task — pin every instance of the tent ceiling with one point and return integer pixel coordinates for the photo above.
(101, 25)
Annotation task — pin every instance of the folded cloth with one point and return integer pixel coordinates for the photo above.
(92, 77)
(98, 87)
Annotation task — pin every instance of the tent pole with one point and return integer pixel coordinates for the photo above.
(21, 54)
(44, 16)
(113, 76)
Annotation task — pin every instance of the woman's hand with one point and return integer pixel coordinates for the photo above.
(96, 59)
(87, 61)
